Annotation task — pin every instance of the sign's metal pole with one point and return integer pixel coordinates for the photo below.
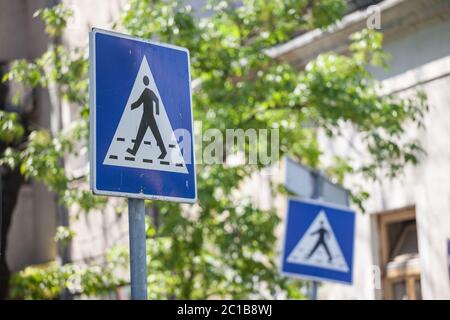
(138, 254)
(317, 194)
(313, 293)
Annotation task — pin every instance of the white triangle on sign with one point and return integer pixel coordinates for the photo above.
(148, 153)
(311, 248)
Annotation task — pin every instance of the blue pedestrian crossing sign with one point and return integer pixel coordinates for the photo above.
(142, 142)
(318, 241)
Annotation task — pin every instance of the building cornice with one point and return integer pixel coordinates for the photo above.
(397, 17)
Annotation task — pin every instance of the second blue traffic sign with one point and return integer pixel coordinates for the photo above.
(319, 240)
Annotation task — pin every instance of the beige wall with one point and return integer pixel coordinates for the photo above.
(30, 239)
(21, 35)
(428, 187)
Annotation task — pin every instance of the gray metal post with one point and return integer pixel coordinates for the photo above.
(138, 254)
(317, 194)
(313, 290)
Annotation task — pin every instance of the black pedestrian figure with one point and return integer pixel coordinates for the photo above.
(323, 234)
(148, 120)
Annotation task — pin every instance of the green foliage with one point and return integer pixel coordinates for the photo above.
(48, 281)
(55, 19)
(11, 130)
(367, 47)
(41, 160)
(228, 254)
(326, 12)
(69, 69)
(64, 235)
(37, 283)
(223, 246)
(24, 72)
(341, 91)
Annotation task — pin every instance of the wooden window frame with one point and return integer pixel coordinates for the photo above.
(409, 274)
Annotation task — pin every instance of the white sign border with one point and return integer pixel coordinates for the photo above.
(92, 119)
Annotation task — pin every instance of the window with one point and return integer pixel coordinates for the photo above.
(399, 254)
